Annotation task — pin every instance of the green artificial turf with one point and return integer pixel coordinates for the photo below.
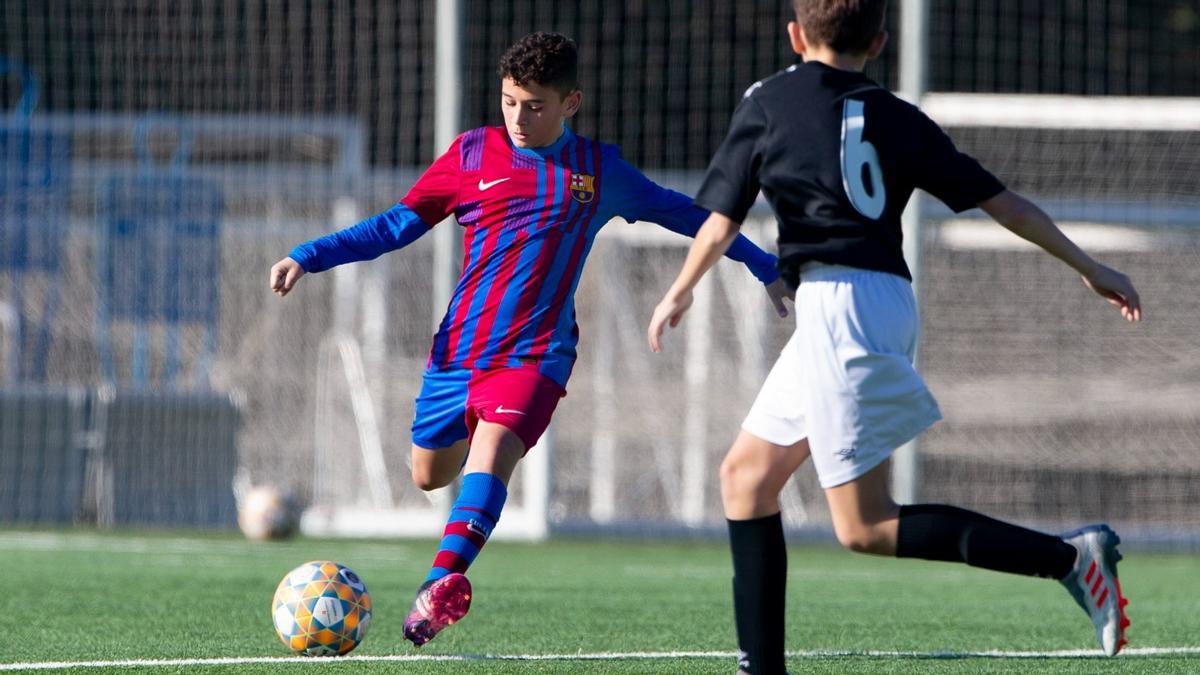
(82, 596)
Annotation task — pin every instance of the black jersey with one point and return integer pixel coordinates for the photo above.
(837, 157)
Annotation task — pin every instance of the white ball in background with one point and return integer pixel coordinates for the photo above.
(266, 512)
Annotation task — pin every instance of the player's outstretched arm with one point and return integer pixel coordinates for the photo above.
(687, 219)
(649, 201)
(393, 229)
(1029, 222)
(284, 275)
(712, 240)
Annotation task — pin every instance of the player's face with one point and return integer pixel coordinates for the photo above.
(534, 114)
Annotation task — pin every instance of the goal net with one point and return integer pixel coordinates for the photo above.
(1057, 411)
(129, 397)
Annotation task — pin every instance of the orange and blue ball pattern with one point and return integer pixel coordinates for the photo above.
(321, 608)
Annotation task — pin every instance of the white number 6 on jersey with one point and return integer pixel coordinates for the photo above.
(855, 154)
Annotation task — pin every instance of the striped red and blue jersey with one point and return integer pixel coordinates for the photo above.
(530, 217)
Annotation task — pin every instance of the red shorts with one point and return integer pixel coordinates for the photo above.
(521, 399)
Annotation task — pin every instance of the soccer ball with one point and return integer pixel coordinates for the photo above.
(267, 513)
(321, 608)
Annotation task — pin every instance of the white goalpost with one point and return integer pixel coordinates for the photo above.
(289, 119)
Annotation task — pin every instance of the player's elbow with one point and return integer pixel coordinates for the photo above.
(1013, 211)
(718, 229)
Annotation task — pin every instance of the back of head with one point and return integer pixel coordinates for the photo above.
(846, 26)
(547, 59)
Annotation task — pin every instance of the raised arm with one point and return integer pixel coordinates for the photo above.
(1026, 220)
(643, 199)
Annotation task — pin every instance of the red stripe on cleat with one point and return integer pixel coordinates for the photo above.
(1100, 600)
(1087, 578)
(1096, 585)
(1122, 601)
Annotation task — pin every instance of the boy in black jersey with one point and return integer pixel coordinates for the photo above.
(837, 157)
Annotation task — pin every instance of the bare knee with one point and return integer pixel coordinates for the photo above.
(743, 476)
(857, 539)
(865, 517)
(433, 469)
(749, 487)
(865, 538)
(754, 472)
(425, 478)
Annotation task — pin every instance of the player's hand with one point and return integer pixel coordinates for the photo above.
(284, 275)
(1117, 289)
(668, 313)
(778, 290)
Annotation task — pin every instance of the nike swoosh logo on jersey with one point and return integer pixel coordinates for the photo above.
(483, 186)
(500, 409)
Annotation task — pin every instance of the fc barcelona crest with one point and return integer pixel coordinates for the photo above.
(583, 187)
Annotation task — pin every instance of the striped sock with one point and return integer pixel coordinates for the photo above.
(471, 521)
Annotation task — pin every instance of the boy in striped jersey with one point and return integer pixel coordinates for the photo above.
(531, 196)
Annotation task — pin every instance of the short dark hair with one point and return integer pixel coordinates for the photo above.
(846, 26)
(548, 59)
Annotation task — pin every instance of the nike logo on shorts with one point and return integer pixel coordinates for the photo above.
(501, 410)
(484, 186)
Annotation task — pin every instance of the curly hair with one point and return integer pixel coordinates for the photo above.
(547, 59)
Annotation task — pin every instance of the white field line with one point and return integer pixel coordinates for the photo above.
(595, 656)
(133, 544)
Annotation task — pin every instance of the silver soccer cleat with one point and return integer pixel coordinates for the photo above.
(1094, 585)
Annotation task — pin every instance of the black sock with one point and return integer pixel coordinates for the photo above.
(941, 532)
(759, 590)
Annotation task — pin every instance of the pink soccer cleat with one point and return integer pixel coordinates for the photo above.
(440, 604)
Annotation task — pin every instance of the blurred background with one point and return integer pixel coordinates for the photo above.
(157, 157)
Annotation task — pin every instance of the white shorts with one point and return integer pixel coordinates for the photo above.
(845, 380)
